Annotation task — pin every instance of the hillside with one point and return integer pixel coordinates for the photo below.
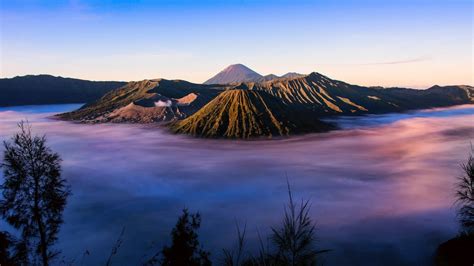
(46, 89)
(331, 97)
(145, 102)
(278, 107)
(240, 113)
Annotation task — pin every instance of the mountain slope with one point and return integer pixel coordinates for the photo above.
(277, 107)
(145, 102)
(332, 97)
(234, 74)
(240, 113)
(46, 89)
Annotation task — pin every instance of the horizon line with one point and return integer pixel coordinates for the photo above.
(127, 81)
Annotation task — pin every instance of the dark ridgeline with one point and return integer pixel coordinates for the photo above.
(34, 197)
(47, 89)
(459, 250)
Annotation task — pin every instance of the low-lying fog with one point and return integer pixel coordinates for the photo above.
(381, 189)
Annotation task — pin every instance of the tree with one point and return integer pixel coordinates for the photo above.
(465, 196)
(235, 257)
(292, 243)
(296, 237)
(458, 251)
(6, 246)
(185, 249)
(34, 194)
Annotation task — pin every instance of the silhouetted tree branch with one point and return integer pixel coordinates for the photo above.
(116, 247)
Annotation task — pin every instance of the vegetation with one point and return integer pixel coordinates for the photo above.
(185, 249)
(457, 251)
(8, 254)
(34, 195)
(235, 257)
(115, 248)
(292, 243)
(296, 236)
(465, 196)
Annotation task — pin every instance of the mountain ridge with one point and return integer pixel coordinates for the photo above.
(278, 107)
(49, 89)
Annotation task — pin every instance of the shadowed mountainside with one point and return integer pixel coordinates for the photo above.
(47, 89)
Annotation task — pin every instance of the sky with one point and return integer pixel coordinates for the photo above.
(409, 43)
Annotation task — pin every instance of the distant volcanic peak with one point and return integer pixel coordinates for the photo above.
(234, 74)
(237, 67)
(238, 73)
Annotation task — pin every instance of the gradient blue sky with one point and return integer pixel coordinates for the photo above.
(414, 43)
